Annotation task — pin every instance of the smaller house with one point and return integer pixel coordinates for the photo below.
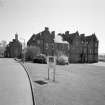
(14, 48)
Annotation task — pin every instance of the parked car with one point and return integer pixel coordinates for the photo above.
(40, 59)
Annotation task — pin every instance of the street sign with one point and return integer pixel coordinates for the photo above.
(51, 61)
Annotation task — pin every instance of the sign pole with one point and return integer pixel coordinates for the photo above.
(48, 74)
(54, 74)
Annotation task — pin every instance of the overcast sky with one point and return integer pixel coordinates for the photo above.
(31, 16)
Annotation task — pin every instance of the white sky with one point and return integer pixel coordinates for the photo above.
(31, 16)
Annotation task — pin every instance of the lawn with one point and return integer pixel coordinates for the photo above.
(76, 84)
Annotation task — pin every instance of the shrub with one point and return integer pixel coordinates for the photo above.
(62, 60)
(31, 52)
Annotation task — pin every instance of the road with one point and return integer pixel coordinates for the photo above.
(14, 84)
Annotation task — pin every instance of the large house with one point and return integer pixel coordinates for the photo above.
(14, 48)
(80, 48)
(45, 41)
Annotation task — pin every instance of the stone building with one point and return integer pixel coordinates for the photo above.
(45, 41)
(82, 48)
(14, 48)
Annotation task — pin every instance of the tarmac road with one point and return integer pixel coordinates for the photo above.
(14, 84)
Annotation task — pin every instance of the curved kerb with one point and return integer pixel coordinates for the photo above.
(32, 90)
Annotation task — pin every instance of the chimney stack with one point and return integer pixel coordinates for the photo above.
(16, 37)
(46, 29)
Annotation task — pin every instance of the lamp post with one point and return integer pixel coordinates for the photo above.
(87, 51)
(68, 52)
(23, 49)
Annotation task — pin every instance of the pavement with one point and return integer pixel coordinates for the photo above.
(76, 84)
(14, 84)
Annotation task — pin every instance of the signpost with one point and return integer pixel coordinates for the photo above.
(51, 61)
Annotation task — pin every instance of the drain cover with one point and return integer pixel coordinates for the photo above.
(40, 82)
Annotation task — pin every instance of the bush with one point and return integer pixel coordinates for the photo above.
(31, 52)
(62, 60)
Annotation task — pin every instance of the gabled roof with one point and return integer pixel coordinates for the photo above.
(91, 37)
(43, 35)
(72, 35)
(83, 37)
(88, 38)
(69, 37)
(32, 37)
(94, 37)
